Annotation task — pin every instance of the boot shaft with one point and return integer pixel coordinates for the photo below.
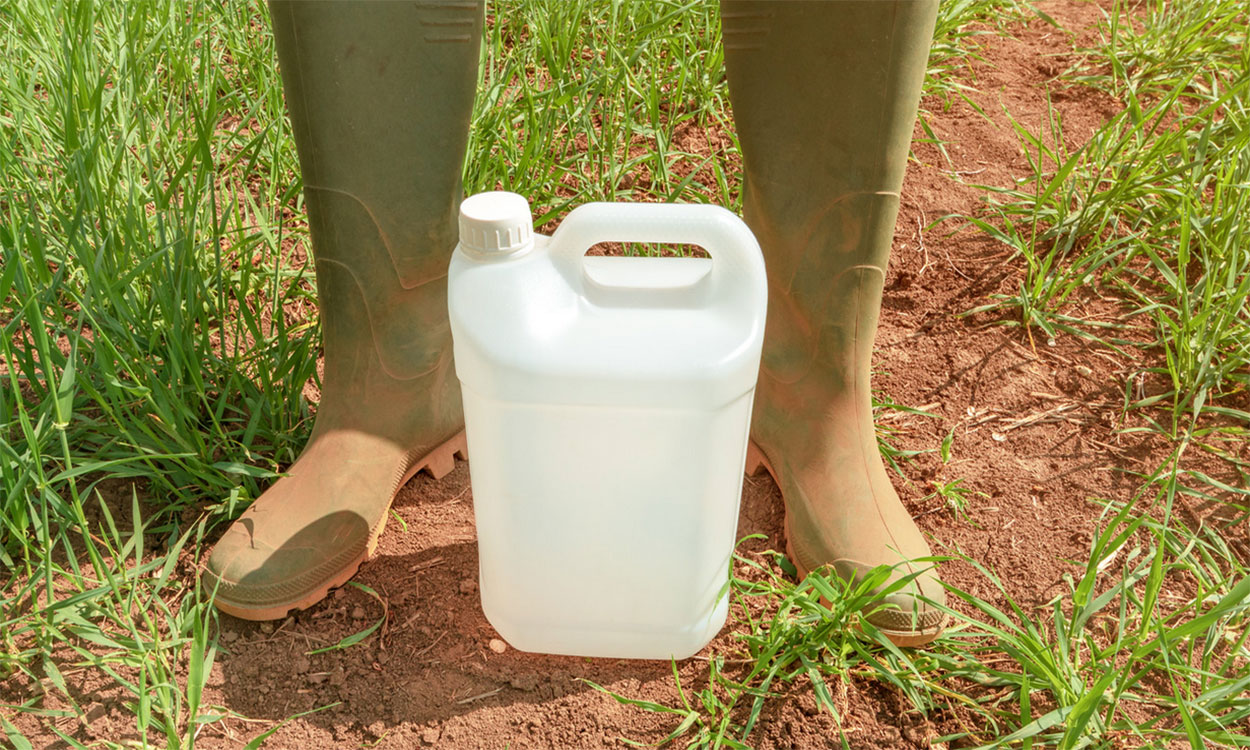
(824, 97)
(380, 96)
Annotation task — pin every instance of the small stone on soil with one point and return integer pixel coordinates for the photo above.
(302, 665)
(498, 646)
(358, 613)
(430, 736)
(468, 586)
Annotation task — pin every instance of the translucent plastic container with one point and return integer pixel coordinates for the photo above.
(607, 404)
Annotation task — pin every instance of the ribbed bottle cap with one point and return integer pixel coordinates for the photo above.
(496, 222)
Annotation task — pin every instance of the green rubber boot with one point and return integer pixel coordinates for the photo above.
(380, 96)
(824, 96)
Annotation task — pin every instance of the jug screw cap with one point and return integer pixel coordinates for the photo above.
(497, 223)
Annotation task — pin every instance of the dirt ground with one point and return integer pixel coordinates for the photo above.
(1034, 426)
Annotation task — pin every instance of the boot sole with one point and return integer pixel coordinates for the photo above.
(439, 462)
(756, 460)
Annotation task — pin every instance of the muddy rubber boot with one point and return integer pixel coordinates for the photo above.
(824, 95)
(380, 96)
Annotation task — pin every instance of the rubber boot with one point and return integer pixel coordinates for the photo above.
(380, 96)
(824, 95)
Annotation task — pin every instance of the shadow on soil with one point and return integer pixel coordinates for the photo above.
(436, 657)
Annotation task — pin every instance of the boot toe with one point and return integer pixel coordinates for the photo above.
(911, 616)
(251, 575)
(831, 532)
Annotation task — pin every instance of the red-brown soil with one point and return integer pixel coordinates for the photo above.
(1035, 430)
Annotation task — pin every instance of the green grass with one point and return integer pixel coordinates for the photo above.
(567, 114)
(158, 326)
(1151, 210)
(1081, 671)
(1149, 214)
(808, 634)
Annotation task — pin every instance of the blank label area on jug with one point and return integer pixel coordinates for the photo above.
(633, 535)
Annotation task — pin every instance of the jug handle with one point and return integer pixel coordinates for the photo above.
(737, 276)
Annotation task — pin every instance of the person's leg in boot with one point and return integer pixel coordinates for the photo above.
(824, 95)
(380, 96)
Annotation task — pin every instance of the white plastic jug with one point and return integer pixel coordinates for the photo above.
(607, 403)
